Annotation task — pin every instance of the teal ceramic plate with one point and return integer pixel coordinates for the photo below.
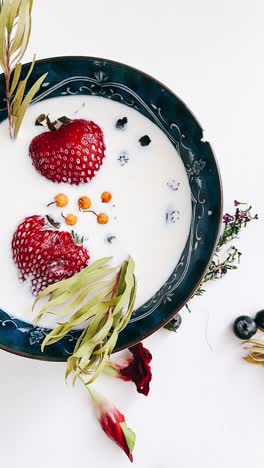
(112, 80)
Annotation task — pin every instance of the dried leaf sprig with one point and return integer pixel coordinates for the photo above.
(219, 268)
(233, 224)
(229, 260)
(15, 30)
(108, 311)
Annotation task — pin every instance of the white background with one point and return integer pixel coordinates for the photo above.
(205, 408)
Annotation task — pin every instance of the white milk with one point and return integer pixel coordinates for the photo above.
(141, 188)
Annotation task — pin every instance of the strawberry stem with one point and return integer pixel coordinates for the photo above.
(90, 211)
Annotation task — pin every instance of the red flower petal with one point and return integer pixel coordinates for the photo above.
(139, 370)
(113, 423)
(136, 369)
(110, 423)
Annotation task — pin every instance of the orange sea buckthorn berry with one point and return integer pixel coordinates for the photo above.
(106, 197)
(102, 218)
(84, 203)
(71, 219)
(61, 200)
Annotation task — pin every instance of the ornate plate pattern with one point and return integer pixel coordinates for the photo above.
(112, 80)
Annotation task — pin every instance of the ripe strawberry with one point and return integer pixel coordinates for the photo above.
(44, 254)
(73, 153)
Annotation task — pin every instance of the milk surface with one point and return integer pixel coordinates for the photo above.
(149, 214)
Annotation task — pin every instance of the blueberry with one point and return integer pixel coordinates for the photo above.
(174, 323)
(121, 123)
(177, 320)
(244, 327)
(145, 140)
(259, 319)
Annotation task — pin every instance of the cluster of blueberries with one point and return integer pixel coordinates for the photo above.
(245, 327)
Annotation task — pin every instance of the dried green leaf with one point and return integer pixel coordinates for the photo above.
(18, 98)
(64, 120)
(81, 281)
(16, 77)
(95, 323)
(22, 27)
(71, 293)
(103, 331)
(63, 285)
(169, 326)
(130, 309)
(51, 125)
(79, 341)
(99, 369)
(54, 336)
(13, 12)
(104, 309)
(5, 8)
(91, 307)
(109, 344)
(26, 101)
(21, 51)
(84, 312)
(129, 435)
(103, 343)
(41, 118)
(129, 284)
(121, 283)
(15, 30)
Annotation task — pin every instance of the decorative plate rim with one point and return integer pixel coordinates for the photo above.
(76, 58)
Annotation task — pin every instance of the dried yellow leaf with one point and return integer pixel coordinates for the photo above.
(15, 30)
(109, 310)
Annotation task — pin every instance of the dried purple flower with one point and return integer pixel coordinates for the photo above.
(233, 224)
(227, 218)
(242, 216)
